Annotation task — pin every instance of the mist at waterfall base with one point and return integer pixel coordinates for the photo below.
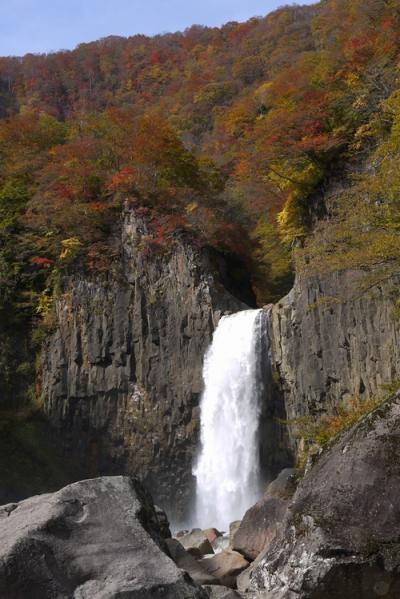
(228, 468)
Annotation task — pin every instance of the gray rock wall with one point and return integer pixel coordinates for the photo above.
(335, 336)
(121, 374)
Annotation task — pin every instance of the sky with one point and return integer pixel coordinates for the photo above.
(49, 25)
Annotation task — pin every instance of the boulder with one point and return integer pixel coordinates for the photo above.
(181, 533)
(243, 581)
(163, 522)
(221, 543)
(340, 536)
(187, 562)
(94, 539)
(221, 593)
(259, 527)
(226, 566)
(233, 527)
(212, 534)
(284, 485)
(263, 520)
(196, 543)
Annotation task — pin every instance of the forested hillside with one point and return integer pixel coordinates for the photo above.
(227, 135)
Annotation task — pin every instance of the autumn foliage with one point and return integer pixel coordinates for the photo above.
(225, 133)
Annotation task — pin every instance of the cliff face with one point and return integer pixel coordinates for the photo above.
(333, 338)
(121, 374)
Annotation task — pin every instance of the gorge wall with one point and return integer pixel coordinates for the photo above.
(335, 336)
(121, 373)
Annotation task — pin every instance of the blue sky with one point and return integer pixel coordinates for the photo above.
(48, 25)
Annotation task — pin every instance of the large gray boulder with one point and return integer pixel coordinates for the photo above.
(95, 539)
(341, 535)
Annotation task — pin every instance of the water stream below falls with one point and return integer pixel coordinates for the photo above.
(228, 469)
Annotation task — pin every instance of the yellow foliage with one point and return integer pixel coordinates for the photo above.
(364, 228)
(45, 303)
(289, 221)
(297, 180)
(70, 247)
(191, 207)
(271, 249)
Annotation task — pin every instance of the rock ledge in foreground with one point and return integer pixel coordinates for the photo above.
(340, 537)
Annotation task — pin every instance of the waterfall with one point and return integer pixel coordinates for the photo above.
(227, 470)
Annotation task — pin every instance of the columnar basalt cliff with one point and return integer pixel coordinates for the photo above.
(121, 373)
(335, 336)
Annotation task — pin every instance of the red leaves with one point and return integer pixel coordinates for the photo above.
(123, 180)
(155, 57)
(42, 262)
(142, 211)
(312, 127)
(272, 139)
(387, 24)
(98, 206)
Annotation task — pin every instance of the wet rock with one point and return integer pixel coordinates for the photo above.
(340, 537)
(226, 566)
(196, 543)
(184, 560)
(95, 538)
(263, 521)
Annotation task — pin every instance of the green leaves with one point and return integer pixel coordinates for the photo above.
(13, 198)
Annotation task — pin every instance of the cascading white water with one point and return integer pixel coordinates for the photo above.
(227, 471)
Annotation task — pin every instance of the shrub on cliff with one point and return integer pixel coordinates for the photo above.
(316, 432)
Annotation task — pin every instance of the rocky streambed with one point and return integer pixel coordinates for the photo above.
(335, 536)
